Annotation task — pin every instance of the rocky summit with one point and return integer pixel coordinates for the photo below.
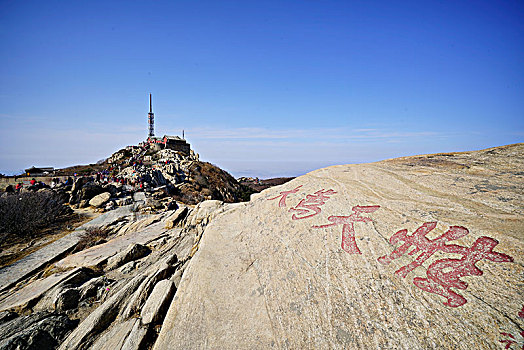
(422, 252)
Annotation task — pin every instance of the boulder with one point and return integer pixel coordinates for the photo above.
(99, 200)
(132, 252)
(89, 190)
(419, 252)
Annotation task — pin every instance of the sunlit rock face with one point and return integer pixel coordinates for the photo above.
(419, 252)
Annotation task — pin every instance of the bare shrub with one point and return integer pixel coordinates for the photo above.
(23, 215)
(91, 237)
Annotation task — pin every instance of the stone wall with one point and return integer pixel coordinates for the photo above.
(4, 181)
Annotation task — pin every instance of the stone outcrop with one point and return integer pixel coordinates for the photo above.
(413, 253)
(132, 252)
(39, 330)
(180, 175)
(418, 252)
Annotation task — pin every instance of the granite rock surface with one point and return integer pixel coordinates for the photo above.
(421, 252)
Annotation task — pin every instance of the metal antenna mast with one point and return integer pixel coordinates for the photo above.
(151, 118)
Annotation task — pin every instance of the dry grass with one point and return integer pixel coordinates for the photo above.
(91, 237)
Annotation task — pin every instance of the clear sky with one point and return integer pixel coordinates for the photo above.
(261, 88)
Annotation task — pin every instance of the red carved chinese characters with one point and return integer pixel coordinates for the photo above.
(284, 194)
(421, 244)
(348, 232)
(508, 342)
(438, 281)
(511, 341)
(310, 206)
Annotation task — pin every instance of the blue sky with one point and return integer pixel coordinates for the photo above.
(261, 88)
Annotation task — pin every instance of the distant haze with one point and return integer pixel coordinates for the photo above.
(265, 88)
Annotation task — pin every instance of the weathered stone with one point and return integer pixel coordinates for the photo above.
(99, 200)
(26, 266)
(68, 299)
(129, 267)
(98, 255)
(157, 302)
(40, 330)
(177, 276)
(159, 242)
(155, 273)
(135, 226)
(29, 295)
(110, 205)
(115, 337)
(7, 316)
(124, 201)
(132, 252)
(154, 203)
(172, 220)
(92, 287)
(90, 190)
(110, 218)
(52, 300)
(203, 211)
(338, 259)
(77, 185)
(99, 319)
(171, 205)
(136, 338)
(139, 197)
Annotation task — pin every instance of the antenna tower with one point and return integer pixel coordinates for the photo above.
(151, 118)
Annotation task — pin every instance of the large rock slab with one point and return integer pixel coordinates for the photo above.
(26, 266)
(154, 307)
(115, 337)
(414, 253)
(99, 254)
(111, 217)
(100, 319)
(132, 252)
(30, 294)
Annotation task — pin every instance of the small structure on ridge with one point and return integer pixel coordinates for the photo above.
(175, 143)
